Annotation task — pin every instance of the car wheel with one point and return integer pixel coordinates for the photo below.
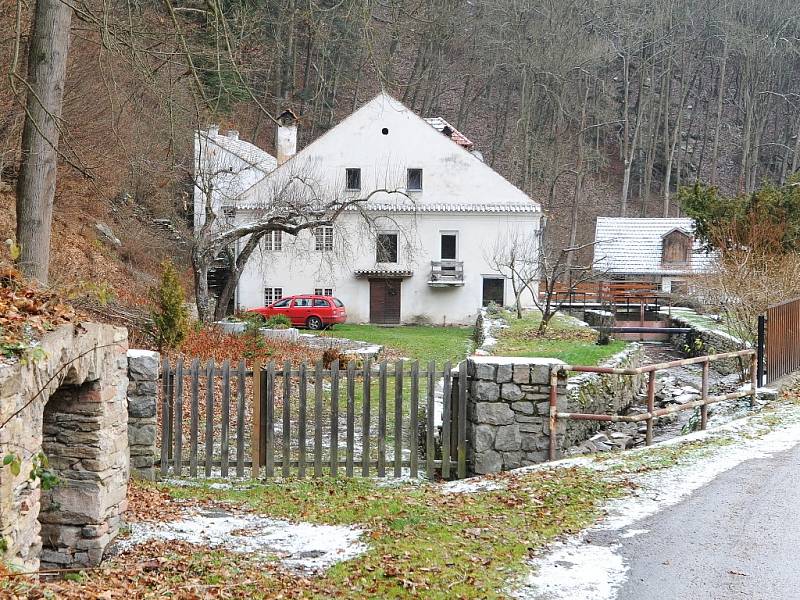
(314, 323)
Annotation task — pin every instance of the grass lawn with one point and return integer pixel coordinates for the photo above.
(563, 339)
(417, 342)
(422, 543)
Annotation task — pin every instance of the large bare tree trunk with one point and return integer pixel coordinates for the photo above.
(36, 186)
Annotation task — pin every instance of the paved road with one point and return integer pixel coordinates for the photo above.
(737, 537)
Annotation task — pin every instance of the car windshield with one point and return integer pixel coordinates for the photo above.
(338, 302)
(282, 303)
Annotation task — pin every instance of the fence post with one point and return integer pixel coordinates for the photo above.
(255, 434)
(753, 380)
(761, 348)
(462, 420)
(553, 411)
(704, 396)
(651, 402)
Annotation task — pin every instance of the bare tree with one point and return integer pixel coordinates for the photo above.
(516, 257)
(558, 278)
(292, 200)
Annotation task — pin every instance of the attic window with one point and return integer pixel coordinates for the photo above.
(353, 179)
(414, 180)
(676, 247)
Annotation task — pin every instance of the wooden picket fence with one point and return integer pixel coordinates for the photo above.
(223, 420)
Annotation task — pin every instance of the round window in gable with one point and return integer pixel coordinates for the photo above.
(385, 131)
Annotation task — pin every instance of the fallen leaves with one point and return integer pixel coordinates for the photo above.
(27, 312)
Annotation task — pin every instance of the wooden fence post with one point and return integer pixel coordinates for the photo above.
(255, 434)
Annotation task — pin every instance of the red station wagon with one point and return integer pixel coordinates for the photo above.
(307, 310)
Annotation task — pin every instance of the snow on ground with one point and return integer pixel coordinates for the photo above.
(303, 547)
(575, 569)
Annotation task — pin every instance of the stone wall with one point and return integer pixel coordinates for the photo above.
(71, 405)
(702, 340)
(143, 370)
(508, 412)
(508, 407)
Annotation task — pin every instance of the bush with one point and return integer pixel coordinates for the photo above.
(169, 314)
(278, 322)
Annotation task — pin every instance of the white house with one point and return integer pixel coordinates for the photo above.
(418, 246)
(659, 250)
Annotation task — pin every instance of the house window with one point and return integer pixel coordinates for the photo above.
(272, 294)
(386, 248)
(273, 241)
(353, 179)
(449, 246)
(323, 238)
(414, 180)
(323, 291)
(229, 212)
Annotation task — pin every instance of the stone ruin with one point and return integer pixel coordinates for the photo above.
(71, 404)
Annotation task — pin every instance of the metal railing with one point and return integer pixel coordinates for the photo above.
(652, 414)
(447, 271)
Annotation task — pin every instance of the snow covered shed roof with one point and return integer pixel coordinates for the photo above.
(634, 246)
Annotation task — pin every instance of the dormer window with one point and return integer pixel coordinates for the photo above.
(676, 247)
(352, 179)
(414, 183)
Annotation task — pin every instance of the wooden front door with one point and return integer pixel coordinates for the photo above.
(384, 301)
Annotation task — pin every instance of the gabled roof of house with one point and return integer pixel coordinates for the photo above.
(439, 124)
(504, 196)
(633, 246)
(250, 153)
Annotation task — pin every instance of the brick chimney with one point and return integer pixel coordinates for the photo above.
(286, 136)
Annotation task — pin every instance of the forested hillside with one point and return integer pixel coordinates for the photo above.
(593, 107)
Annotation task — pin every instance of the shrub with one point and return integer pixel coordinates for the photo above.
(168, 312)
(278, 322)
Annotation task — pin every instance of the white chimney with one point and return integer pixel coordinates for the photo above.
(233, 134)
(286, 136)
(213, 131)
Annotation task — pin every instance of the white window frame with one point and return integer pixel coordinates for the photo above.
(275, 293)
(323, 291)
(323, 238)
(273, 241)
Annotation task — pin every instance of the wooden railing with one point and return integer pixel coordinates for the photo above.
(614, 292)
(447, 271)
(783, 339)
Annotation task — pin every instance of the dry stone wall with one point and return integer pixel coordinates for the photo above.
(72, 406)
(143, 371)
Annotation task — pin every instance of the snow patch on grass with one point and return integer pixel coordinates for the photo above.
(303, 547)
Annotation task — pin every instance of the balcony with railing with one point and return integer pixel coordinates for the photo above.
(446, 273)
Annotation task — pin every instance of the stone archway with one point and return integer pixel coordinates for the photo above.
(72, 406)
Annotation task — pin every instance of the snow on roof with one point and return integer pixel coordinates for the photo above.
(439, 124)
(634, 245)
(250, 153)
